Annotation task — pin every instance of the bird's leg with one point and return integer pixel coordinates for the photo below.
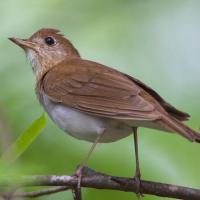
(78, 172)
(137, 170)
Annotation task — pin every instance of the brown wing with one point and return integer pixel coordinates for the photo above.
(98, 90)
(182, 116)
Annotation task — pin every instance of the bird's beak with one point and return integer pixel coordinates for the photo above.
(24, 44)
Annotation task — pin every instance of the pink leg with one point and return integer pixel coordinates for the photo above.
(78, 172)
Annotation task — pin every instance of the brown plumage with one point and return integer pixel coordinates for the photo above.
(97, 89)
(93, 102)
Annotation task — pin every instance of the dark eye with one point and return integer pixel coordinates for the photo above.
(49, 41)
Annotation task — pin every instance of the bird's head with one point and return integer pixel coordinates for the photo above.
(46, 48)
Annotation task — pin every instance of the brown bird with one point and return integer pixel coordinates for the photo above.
(93, 102)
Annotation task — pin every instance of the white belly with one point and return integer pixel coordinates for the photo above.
(83, 126)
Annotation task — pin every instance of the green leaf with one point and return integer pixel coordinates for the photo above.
(24, 140)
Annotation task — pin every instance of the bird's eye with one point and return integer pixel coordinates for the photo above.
(49, 41)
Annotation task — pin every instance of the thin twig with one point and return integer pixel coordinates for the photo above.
(41, 192)
(76, 192)
(92, 179)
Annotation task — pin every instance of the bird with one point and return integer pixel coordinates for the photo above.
(93, 102)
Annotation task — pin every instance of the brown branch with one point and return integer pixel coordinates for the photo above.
(41, 192)
(92, 179)
(76, 193)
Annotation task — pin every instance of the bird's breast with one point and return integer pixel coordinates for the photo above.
(83, 126)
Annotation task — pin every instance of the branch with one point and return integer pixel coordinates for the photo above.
(92, 179)
(41, 192)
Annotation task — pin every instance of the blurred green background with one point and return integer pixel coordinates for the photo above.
(155, 41)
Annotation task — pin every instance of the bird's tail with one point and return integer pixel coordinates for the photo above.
(174, 125)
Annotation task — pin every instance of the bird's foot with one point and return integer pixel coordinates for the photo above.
(137, 180)
(79, 174)
(77, 190)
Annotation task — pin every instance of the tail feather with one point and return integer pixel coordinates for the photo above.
(175, 125)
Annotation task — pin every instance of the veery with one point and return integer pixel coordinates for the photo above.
(93, 102)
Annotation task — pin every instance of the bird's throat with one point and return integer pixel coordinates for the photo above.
(35, 61)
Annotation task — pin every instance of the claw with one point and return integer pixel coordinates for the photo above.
(138, 185)
(79, 174)
(77, 190)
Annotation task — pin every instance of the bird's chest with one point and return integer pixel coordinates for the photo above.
(83, 126)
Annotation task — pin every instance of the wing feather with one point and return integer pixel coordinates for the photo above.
(98, 90)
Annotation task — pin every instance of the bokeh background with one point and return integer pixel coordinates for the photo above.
(154, 41)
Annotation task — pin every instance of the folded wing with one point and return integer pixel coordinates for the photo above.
(97, 90)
